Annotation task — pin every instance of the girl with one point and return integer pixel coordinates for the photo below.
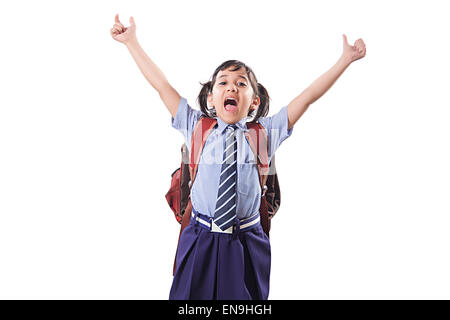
(223, 253)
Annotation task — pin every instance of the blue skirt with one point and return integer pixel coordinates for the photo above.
(221, 266)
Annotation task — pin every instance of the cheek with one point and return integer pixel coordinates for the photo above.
(244, 112)
(215, 96)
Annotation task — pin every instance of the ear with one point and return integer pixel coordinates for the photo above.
(255, 103)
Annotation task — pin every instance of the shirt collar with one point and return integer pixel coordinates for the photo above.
(242, 124)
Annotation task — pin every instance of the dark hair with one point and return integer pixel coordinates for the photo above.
(258, 89)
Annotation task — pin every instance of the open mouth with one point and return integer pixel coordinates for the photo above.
(230, 105)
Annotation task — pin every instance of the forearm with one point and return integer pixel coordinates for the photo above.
(325, 81)
(148, 68)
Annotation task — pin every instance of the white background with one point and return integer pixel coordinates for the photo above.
(87, 149)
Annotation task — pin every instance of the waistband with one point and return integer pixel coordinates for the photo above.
(207, 223)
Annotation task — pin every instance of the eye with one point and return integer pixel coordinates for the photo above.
(243, 83)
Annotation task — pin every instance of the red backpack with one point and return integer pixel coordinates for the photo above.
(183, 177)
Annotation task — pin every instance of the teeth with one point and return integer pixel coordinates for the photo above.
(231, 99)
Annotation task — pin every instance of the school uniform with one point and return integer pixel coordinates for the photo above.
(235, 263)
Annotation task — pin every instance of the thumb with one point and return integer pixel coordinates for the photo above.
(345, 40)
(132, 21)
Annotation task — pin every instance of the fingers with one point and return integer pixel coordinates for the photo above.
(360, 42)
(117, 29)
(360, 49)
(360, 46)
(114, 33)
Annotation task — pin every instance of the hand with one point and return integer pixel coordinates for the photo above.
(122, 34)
(355, 52)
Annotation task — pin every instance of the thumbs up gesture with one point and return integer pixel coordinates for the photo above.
(122, 34)
(355, 52)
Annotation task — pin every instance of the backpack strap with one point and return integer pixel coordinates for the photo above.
(257, 139)
(202, 129)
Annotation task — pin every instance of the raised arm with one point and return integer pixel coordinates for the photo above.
(155, 77)
(300, 104)
(149, 69)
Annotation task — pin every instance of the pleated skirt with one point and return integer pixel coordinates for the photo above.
(222, 266)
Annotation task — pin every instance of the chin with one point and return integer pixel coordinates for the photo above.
(230, 116)
(230, 119)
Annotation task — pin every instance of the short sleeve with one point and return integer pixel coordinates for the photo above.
(277, 129)
(185, 120)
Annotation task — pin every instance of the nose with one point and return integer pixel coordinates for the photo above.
(231, 86)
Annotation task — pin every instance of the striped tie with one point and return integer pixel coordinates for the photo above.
(225, 213)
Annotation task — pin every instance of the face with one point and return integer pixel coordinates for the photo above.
(232, 84)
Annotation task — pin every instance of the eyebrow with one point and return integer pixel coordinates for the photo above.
(225, 75)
